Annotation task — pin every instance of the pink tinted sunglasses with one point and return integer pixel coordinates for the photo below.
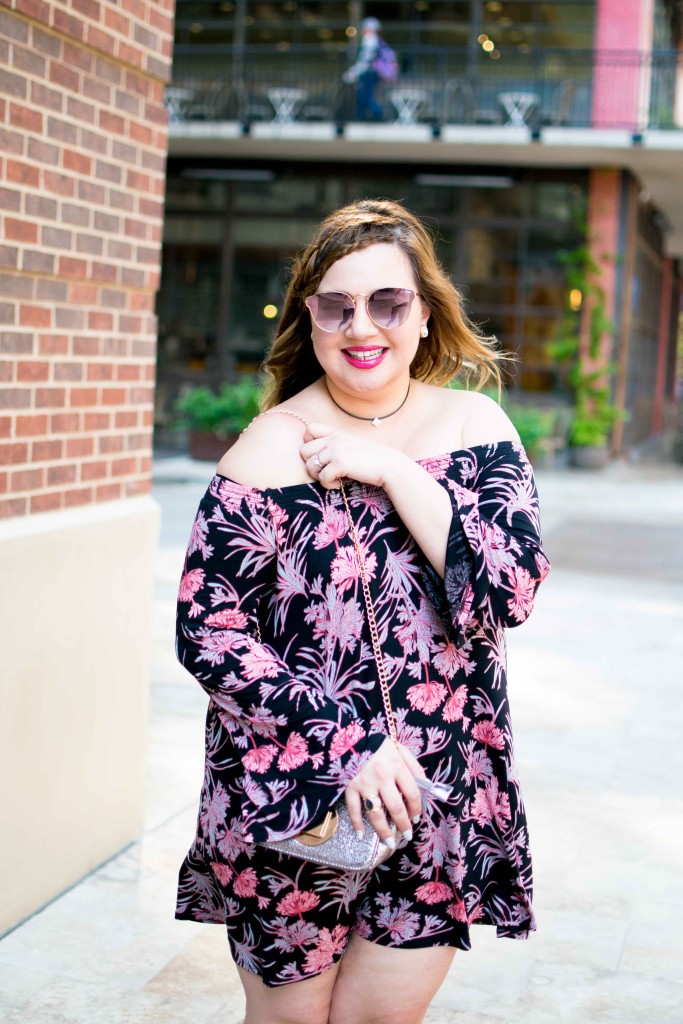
(387, 307)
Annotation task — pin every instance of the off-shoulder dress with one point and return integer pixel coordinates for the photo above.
(293, 717)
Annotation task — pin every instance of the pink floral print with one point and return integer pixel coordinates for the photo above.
(271, 623)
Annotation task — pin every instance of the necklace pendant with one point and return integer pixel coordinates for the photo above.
(376, 422)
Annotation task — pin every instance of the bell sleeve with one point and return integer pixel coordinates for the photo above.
(296, 748)
(494, 557)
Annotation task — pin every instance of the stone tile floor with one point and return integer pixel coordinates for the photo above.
(595, 683)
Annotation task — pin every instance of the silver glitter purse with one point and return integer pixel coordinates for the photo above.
(333, 841)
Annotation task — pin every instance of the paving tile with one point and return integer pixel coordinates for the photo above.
(204, 967)
(570, 993)
(66, 1001)
(436, 1016)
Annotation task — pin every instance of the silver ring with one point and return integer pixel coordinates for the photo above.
(317, 462)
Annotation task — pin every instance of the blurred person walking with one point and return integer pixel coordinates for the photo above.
(376, 60)
(350, 574)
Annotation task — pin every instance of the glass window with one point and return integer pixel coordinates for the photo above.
(288, 194)
(186, 192)
(199, 22)
(492, 260)
(303, 21)
(258, 283)
(536, 370)
(198, 230)
(188, 316)
(558, 201)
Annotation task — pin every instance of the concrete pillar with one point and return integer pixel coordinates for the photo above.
(82, 165)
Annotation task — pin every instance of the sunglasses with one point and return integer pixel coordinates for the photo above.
(387, 307)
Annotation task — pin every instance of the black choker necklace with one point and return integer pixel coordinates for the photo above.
(375, 420)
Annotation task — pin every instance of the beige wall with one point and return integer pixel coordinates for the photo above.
(75, 610)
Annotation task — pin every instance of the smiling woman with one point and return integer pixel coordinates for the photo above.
(350, 574)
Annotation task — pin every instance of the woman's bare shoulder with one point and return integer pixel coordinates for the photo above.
(480, 419)
(484, 421)
(267, 453)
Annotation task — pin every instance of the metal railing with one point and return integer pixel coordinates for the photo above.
(573, 88)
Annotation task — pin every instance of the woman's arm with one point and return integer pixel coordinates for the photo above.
(297, 748)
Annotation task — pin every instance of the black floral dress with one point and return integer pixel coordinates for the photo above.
(293, 716)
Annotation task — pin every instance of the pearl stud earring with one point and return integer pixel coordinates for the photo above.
(424, 331)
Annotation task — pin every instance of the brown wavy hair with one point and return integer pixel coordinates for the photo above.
(454, 343)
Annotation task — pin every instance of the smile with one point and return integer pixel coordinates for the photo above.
(364, 355)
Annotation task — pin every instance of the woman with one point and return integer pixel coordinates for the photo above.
(273, 624)
(365, 72)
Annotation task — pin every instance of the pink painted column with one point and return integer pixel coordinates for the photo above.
(604, 199)
(678, 94)
(662, 352)
(621, 71)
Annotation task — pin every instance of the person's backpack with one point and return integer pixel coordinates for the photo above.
(385, 63)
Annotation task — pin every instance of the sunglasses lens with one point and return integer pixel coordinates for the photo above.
(331, 311)
(389, 307)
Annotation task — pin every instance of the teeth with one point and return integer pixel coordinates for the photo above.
(366, 355)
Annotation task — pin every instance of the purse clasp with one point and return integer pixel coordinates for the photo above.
(319, 834)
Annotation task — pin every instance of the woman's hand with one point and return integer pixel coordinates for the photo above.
(388, 780)
(332, 455)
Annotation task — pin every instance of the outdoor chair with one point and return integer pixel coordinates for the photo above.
(457, 102)
(322, 104)
(255, 103)
(560, 110)
(221, 100)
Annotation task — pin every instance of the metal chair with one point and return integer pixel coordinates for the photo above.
(222, 100)
(560, 111)
(322, 104)
(457, 102)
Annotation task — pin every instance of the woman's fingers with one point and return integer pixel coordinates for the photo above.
(315, 429)
(412, 762)
(378, 820)
(332, 455)
(353, 806)
(397, 810)
(387, 791)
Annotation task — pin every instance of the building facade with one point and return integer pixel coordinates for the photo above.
(515, 129)
(82, 165)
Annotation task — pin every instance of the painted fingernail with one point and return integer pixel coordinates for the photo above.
(359, 833)
(408, 834)
(415, 819)
(390, 843)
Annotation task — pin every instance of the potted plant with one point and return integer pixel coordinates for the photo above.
(592, 420)
(578, 347)
(534, 425)
(215, 419)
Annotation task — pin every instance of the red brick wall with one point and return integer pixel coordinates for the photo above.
(82, 169)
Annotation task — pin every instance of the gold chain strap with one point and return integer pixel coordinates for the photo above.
(372, 623)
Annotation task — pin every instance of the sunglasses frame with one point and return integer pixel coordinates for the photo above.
(354, 298)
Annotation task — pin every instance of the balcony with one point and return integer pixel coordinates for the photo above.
(551, 108)
(437, 88)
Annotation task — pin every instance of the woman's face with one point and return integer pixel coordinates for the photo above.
(362, 357)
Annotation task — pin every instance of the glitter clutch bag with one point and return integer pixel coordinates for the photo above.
(333, 841)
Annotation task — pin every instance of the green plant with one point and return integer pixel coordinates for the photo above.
(533, 425)
(225, 412)
(594, 413)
